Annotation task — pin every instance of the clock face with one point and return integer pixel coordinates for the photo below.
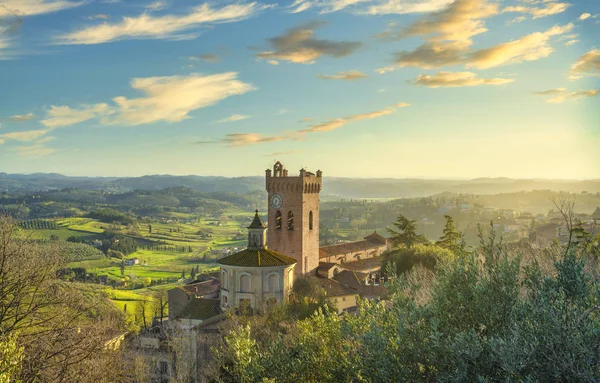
(276, 201)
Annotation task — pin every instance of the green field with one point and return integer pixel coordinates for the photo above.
(198, 234)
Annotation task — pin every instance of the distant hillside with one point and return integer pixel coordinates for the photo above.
(332, 186)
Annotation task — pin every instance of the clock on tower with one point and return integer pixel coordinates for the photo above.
(293, 217)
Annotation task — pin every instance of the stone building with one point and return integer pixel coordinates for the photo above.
(371, 246)
(256, 275)
(293, 216)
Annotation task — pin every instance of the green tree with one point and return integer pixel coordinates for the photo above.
(122, 269)
(451, 237)
(11, 359)
(406, 234)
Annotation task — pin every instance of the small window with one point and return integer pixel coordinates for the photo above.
(344, 299)
(310, 220)
(273, 283)
(290, 221)
(278, 220)
(245, 284)
(163, 367)
(305, 264)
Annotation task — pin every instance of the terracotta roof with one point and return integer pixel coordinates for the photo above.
(200, 309)
(326, 266)
(256, 222)
(373, 242)
(376, 238)
(334, 288)
(363, 264)
(257, 258)
(350, 278)
(201, 288)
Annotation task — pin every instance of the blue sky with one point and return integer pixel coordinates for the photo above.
(357, 88)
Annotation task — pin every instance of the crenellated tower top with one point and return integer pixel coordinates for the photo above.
(278, 180)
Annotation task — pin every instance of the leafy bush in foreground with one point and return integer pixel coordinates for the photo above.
(488, 319)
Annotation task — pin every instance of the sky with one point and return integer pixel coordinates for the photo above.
(356, 88)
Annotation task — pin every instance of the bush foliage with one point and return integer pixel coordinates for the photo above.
(489, 318)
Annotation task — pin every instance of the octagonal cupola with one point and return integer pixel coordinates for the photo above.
(257, 234)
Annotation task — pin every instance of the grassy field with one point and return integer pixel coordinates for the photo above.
(199, 234)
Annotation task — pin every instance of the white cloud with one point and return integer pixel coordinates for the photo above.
(156, 6)
(100, 16)
(516, 20)
(29, 135)
(571, 42)
(245, 139)
(59, 116)
(337, 123)
(369, 7)
(449, 35)
(20, 118)
(561, 95)
(528, 48)
(171, 98)
(399, 7)
(549, 8)
(584, 16)
(35, 7)
(324, 6)
(346, 75)
(233, 118)
(588, 64)
(299, 45)
(168, 99)
(457, 79)
(147, 26)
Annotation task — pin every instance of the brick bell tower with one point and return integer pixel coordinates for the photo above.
(293, 219)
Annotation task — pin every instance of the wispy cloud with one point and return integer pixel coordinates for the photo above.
(449, 35)
(232, 118)
(35, 7)
(323, 6)
(156, 6)
(210, 57)
(147, 26)
(168, 99)
(245, 139)
(29, 135)
(347, 75)
(337, 123)
(100, 16)
(299, 45)
(19, 118)
(457, 79)
(584, 16)
(278, 154)
(549, 8)
(528, 48)
(560, 95)
(59, 116)
(587, 65)
(518, 19)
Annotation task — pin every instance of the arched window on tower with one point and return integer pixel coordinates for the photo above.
(290, 222)
(278, 220)
(310, 220)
